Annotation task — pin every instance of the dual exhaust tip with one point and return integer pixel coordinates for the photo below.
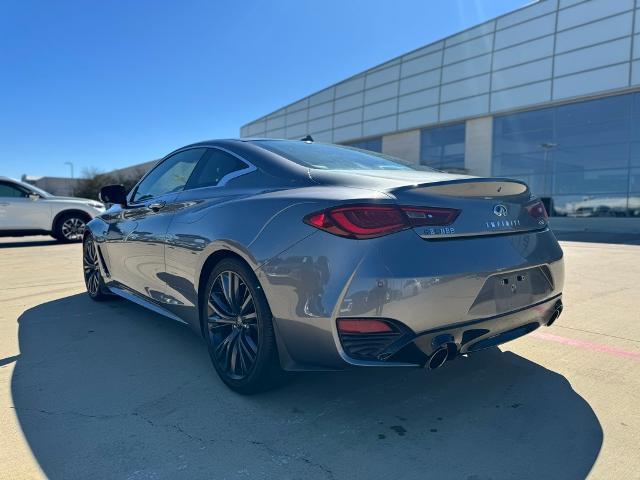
(439, 357)
(556, 313)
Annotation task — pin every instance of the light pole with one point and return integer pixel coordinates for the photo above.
(72, 181)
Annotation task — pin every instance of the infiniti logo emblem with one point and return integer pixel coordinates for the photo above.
(500, 210)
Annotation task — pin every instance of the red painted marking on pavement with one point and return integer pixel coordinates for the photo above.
(596, 347)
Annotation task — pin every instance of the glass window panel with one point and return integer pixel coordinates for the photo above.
(527, 163)
(443, 147)
(372, 144)
(590, 206)
(635, 154)
(526, 121)
(591, 181)
(593, 134)
(634, 180)
(594, 111)
(590, 157)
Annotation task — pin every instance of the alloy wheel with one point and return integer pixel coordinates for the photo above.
(233, 325)
(73, 228)
(91, 268)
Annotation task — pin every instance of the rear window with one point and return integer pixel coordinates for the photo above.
(324, 156)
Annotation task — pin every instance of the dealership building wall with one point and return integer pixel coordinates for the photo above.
(549, 94)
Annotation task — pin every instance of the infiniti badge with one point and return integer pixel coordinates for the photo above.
(500, 210)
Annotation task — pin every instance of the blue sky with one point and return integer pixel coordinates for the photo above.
(113, 83)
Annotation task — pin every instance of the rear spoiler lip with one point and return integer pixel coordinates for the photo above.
(459, 181)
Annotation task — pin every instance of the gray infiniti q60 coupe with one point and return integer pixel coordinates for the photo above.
(293, 255)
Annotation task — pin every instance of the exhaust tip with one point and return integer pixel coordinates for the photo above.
(556, 313)
(438, 358)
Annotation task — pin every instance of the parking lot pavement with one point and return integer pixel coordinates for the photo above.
(110, 390)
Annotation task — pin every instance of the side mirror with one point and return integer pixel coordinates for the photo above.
(114, 194)
(34, 196)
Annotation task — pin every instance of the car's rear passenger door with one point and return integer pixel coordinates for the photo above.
(136, 238)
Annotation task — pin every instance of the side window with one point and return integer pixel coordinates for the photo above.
(9, 190)
(214, 167)
(170, 176)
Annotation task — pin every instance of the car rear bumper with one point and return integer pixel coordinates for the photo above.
(424, 288)
(411, 349)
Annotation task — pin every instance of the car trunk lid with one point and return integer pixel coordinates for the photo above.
(487, 206)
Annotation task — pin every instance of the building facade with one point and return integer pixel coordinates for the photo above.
(549, 94)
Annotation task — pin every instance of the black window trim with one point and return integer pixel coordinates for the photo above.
(250, 168)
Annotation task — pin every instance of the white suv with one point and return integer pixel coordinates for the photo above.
(27, 210)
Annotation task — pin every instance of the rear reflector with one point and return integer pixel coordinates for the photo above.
(370, 221)
(537, 210)
(363, 325)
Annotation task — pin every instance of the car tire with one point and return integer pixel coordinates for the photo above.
(69, 227)
(93, 280)
(239, 331)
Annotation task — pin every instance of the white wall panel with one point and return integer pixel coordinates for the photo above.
(470, 33)
(527, 13)
(419, 99)
(526, 52)
(346, 118)
(469, 49)
(299, 105)
(592, 57)
(382, 92)
(381, 109)
(321, 97)
(279, 133)
(295, 131)
(593, 33)
(422, 64)
(465, 88)
(320, 124)
(608, 78)
(520, 96)
(257, 127)
(349, 87)
(417, 118)
(420, 81)
(347, 103)
(326, 136)
(434, 47)
(527, 73)
(321, 110)
(347, 133)
(277, 122)
(525, 31)
(296, 117)
(382, 76)
(591, 10)
(467, 107)
(468, 68)
(635, 73)
(378, 126)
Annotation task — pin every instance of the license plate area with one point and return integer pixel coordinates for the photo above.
(504, 292)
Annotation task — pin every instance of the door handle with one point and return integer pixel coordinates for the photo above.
(155, 206)
(3, 204)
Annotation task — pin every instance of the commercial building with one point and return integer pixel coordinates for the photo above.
(549, 93)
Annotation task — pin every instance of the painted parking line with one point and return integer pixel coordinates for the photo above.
(594, 347)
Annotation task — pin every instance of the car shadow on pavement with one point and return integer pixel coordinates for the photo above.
(110, 390)
(12, 243)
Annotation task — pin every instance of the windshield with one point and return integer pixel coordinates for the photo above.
(334, 157)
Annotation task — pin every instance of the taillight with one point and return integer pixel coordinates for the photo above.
(537, 210)
(363, 325)
(370, 221)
